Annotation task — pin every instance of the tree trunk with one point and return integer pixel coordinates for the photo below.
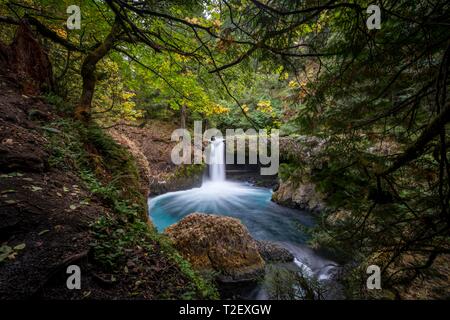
(83, 109)
(26, 61)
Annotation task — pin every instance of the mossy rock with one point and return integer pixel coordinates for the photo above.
(219, 244)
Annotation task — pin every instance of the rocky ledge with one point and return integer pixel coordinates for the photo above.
(299, 195)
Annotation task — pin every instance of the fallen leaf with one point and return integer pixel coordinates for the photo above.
(8, 191)
(5, 249)
(20, 246)
(43, 232)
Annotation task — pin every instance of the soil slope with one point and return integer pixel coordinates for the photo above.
(47, 214)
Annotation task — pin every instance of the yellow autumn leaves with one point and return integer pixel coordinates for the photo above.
(112, 97)
(263, 106)
(218, 109)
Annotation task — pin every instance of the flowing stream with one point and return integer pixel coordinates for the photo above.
(252, 205)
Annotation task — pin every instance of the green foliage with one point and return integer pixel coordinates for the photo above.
(373, 94)
(8, 252)
(203, 284)
(185, 171)
(263, 98)
(287, 170)
(286, 284)
(373, 99)
(96, 156)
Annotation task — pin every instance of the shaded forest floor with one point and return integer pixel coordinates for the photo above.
(59, 208)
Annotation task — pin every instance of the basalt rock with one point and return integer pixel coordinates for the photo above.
(219, 244)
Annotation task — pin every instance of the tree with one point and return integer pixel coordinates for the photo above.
(168, 28)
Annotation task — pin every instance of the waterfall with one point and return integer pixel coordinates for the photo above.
(217, 160)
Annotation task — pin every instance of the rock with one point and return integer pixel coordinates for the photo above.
(301, 196)
(296, 190)
(36, 114)
(21, 149)
(140, 158)
(338, 216)
(272, 252)
(219, 244)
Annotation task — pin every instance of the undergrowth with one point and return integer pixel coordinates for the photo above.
(110, 174)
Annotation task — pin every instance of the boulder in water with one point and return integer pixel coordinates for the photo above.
(220, 244)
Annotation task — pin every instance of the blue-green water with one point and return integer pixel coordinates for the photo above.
(264, 219)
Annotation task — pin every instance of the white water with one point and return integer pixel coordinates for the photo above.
(217, 160)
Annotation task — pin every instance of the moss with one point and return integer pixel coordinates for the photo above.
(188, 171)
(203, 284)
(98, 159)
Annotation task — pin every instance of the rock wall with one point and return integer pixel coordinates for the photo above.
(151, 145)
(309, 156)
(140, 158)
(297, 190)
(300, 196)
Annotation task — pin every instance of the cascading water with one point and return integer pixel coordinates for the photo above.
(252, 205)
(217, 160)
